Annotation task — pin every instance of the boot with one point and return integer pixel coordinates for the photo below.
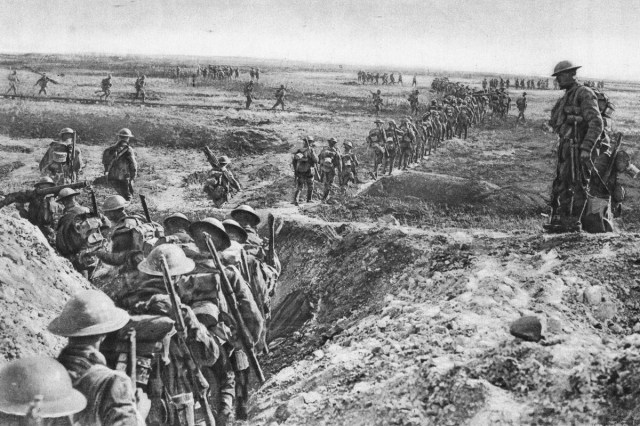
(241, 409)
(295, 197)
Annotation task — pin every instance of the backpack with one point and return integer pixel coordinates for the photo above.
(134, 234)
(303, 163)
(520, 102)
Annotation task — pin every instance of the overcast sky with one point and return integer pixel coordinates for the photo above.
(522, 36)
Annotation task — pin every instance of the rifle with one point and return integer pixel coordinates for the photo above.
(198, 380)
(233, 307)
(271, 254)
(211, 158)
(133, 356)
(72, 158)
(94, 203)
(143, 201)
(29, 195)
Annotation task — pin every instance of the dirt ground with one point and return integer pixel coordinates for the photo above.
(410, 291)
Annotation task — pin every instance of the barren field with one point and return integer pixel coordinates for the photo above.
(403, 291)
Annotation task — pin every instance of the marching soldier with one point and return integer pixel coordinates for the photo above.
(414, 82)
(86, 320)
(105, 87)
(36, 389)
(400, 79)
(221, 183)
(120, 165)
(43, 81)
(280, 94)
(13, 82)
(407, 144)
(349, 165)
(248, 93)
(63, 160)
(376, 140)
(330, 160)
(521, 103)
(578, 122)
(304, 167)
(139, 86)
(414, 101)
(392, 147)
(377, 101)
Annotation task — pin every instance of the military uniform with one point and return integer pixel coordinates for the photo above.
(43, 211)
(248, 93)
(13, 81)
(139, 86)
(377, 139)
(521, 103)
(349, 165)
(330, 160)
(304, 163)
(280, 94)
(120, 164)
(57, 162)
(221, 183)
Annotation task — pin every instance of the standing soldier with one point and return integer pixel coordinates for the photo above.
(414, 101)
(330, 161)
(376, 139)
(521, 103)
(577, 120)
(248, 92)
(414, 82)
(377, 101)
(120, 165)
(304, 164)
(63, 159)
(400, 79)
(140, 85)
(13, 81)
(280, 94)
(86, 320)
(43, 81)
(105, 87)
(251, 73)
(484, 84)
(349, 165)
(257, 75)
(407, 144)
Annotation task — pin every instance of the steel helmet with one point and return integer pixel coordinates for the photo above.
(563, 66)
(524, 93)
(224, 160)
(332, 141)
(214, 228)
(114, 202)
(66, 193)
(125, 133)
(308, 139)
(177, 261)
(38, 378)
(378, 91)
(245, 215)
(349, 144)
(527, 328)
(378, 121)
(282, 86)
(89, 313)
(235, 231)
(66, 130)
(45, 181)
(393, 123)
(177, 220)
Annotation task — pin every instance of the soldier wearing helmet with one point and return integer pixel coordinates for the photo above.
(105, 87)
(246, 216)
(139, 85)
(521, 103)
(349, 165)
(63, 159)
(248, 93)
(377, 101)
(330, 160)
(43, 82)
(376, 139)
(43, 210)
(37, 390)
(120, 165)
(280, 95)
(13, 82)
(304, 168)
(221, 184)
(577, 121)
(85, 320)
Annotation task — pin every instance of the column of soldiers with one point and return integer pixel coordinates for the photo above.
(365, 77)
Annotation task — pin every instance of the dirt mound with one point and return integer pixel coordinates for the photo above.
(35, 283)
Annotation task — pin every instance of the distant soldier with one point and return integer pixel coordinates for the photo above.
(221, 183)
(521, 103)
(377, 78)
(43, 81)
(484, 84)
(330, 165)
(280, 95)
(13, 82)
(304, 168)
(414, 101)
(376, 139)
(377, 101)
(400, 79)
(194, 76)
(577, 120)
(508, 83)
(414, 82)
(86, 320)
(349, 165)
(248, 93)
(517, 84)
(257, 75)
(37, 390)
(139, 86)
(252, 73)
(63, 160)
(236, 72)
(120, 165)
(392, 79)
(105, 87)
(178, 72)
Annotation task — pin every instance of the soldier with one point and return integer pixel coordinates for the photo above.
(484, 84)
(280, 94)
(221, 183)
(176, 229)
(105, 87)
(414, 82)
(392, 79)
(13, 81)
(400, 79)
(86, 319)
(407, 144)
(37, 391)
(63, 160)
(43, 81)
(43, 210)
(304, 168)
(330, 160)
(139, 86)
(248, 93)
(521, 103)
(257, 75)
(578, 122)
(247, 217)
(178, 72)
(414, 101)
(120, 165)
(251, 73)
(377, 101)
(376, 139)
(349, 165)
(392, 147)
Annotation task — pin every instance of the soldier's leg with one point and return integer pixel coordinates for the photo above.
(142, 94)
(241, 369)
(299, 186)
(328, 181)
(309, 188)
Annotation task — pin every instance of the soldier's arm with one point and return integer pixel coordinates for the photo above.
(246, 304)
(78, 161)
(118, 406)
(233, 181)
(133, 164)
(588, 103)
